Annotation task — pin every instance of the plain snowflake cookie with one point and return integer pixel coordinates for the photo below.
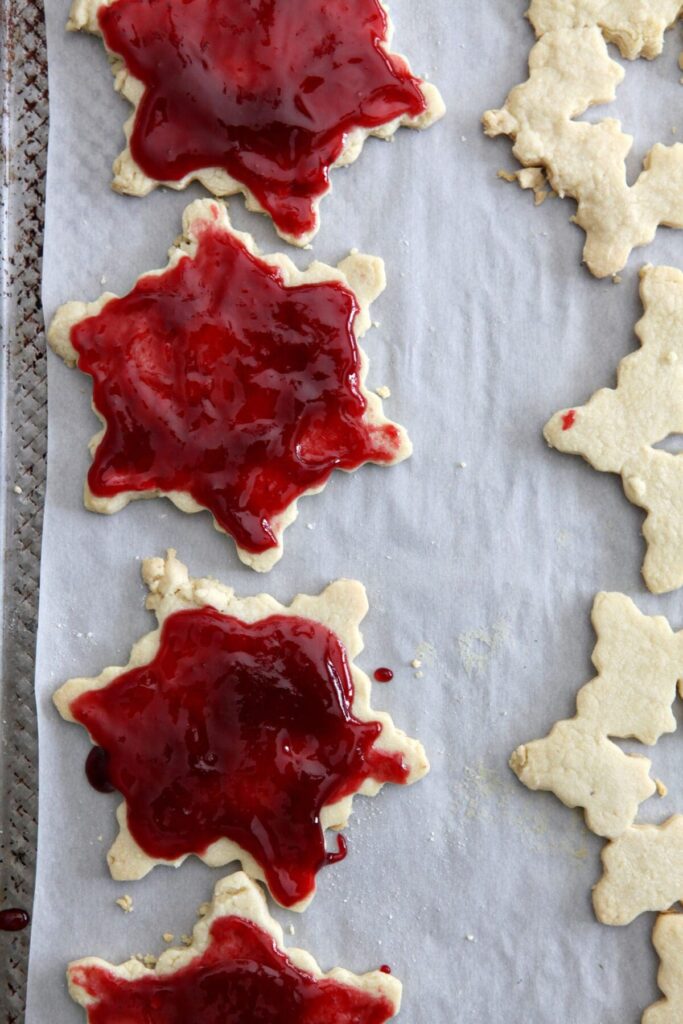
(230, 382)
(640, 662)
(570, 70)
(261, 99)
(236, 961)
(240, 729)
(642, 871)
(617, 429)
(667, 938)
(637, 27)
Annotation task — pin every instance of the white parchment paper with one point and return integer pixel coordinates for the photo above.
(473, 889)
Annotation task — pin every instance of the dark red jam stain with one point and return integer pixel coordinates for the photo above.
(569, 419)
(265, 89)
(238, 731)
(97, 770)
(13, 920)
(383, 675)
(335, 856)
(385, 969)
(241, 978)
(217, 380)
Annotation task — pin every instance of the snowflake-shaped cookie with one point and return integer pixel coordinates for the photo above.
(640, 667)
(230, 381)
(262, 99)
(616, 430)
(667, 938)
(240, 730)
(237, 968)
(639, 661)
(637, 27)
(570, 70)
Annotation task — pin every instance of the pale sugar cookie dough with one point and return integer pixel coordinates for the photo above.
(616, 429)
(237, 959)
(570, 70)
(639, 661)
(637, 27)
(268, 113)
(642, 871)
(667, 938)
(276, 826)
(230, 381)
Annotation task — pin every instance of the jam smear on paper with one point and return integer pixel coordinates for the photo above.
(217, 380)
(383, 675)
(97, 770)
(266, 90)
(13, 920)
(241, 978)
(238, 730)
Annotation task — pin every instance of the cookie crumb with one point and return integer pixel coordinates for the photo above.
(186, 940)
(416, 663)
(126, 903)
(616, 279)
(17, 489)
(148, 959)
(662, 789)
(470, 938)
(383, 391)
(461, 465)
(290, 929)
(168, 936)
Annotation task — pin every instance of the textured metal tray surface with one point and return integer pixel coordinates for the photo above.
(23, 407)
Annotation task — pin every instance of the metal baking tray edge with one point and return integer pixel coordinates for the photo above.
(23, 442)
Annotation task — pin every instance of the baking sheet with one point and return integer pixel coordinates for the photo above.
(473, 889)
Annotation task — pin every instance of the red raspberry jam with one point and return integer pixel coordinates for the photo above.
(217, 380)
(241, 978)
(238, 731)
(267, 90)
(13, 920)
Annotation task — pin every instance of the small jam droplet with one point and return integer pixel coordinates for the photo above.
(97, 770)
(569, 419)
(385, 969)
(13, 920)
(383, 675)
(342, 849)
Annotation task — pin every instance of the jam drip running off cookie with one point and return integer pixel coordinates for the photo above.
(242, 732)
(217, 380)
(241, 978)
(265, 90)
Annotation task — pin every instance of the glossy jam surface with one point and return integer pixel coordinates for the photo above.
(217, 380)
(383, 675)
(267, 90)
(13, 920)
(97, 770)
(238, 731)
(241, 978)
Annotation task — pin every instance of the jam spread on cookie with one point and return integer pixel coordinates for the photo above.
(217, 380)
(13, 920)
(569, 419)
(266, 90)
(242, 977)
(238, 731)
